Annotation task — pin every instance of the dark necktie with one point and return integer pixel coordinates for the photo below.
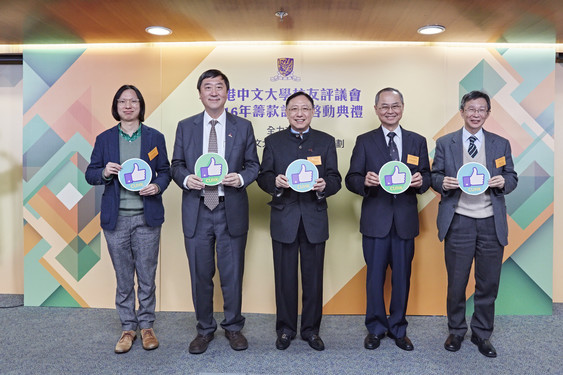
(393, 150)
(472, 150)
(211, 197)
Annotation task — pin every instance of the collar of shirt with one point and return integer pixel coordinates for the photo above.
(479, 135)
(220, 129)
(398, 135)
(297, 133)
(133, 136)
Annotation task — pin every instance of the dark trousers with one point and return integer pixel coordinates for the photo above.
(212, 236)
(470, 239)
(379, 253)
(286, 257)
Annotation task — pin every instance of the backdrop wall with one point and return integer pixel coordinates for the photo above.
(67, 100)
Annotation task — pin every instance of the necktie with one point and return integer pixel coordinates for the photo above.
(393, 150)
(211, 197)
(472, 150)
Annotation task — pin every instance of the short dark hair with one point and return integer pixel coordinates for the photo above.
(118, 95)
(299, 93)
(212, 73)
(475, 94)
(391, 89)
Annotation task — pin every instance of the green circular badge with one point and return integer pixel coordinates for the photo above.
(395, 177)
(211, 168)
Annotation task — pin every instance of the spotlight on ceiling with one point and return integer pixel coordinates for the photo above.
(431, 29)
(158, 30)
(281, 14)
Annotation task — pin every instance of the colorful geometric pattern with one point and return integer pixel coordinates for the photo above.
(62, 237)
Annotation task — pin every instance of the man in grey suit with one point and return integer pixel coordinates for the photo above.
(215, 219)
(474, 226)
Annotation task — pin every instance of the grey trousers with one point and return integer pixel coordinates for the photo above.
(213, 241)
(133, 247)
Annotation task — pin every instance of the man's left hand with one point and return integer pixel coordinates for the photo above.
(319, 185)
(231, 179)
(496, 182)
(416, 180)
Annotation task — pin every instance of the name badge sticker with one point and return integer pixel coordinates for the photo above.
(153, 153)
(411, 159)
(500, 162)
(315, 160)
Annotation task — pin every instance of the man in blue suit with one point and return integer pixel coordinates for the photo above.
(388, 223)
(215, 219)
(474, 226)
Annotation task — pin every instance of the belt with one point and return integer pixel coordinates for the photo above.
(221, 198)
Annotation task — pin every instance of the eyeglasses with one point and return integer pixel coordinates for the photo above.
(304, 110)
(131, 101)
(394, 108)
(480, 111)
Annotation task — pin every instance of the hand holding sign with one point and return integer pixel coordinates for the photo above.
(213, 169)
(136, 175)
(303, 176)
(396, 178)
(476, 179)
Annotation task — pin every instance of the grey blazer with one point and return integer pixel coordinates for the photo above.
(447, 161)
(241, 156)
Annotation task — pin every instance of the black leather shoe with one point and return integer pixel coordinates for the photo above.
(453, 342)
(485, 346)
(237, 340)
(404, 343)
(372, 341)
(316, 343)
(200, 343)
(283, 341)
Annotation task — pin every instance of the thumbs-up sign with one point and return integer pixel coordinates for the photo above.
(213, 169)
(476, 179)
(396, 178)
(136, 175)
(303, 176)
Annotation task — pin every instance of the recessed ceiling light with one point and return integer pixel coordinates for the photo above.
(431, 29)
(158, 30)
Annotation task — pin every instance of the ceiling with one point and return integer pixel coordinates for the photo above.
(124, 21)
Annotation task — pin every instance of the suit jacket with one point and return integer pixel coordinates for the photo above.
(288, 207)
(106, 149)
(241, 157)
(447, 161)
(379, 208)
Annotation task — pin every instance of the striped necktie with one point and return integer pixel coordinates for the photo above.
(211, 197)
(472, 150)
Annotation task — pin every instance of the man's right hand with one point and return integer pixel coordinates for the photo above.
(111, 168)
(450, 183)
(195, 182)
(372, 179)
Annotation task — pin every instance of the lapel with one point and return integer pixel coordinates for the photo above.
(406, 144)
(456, 148)
(381, 145)
(489, 147)
(230, 134)
(113, 144)
(196, 137)
(145, 143)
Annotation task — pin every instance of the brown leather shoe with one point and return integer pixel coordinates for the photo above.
(200, 343)
(150, 341)
(125, 342)
(237, 340)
